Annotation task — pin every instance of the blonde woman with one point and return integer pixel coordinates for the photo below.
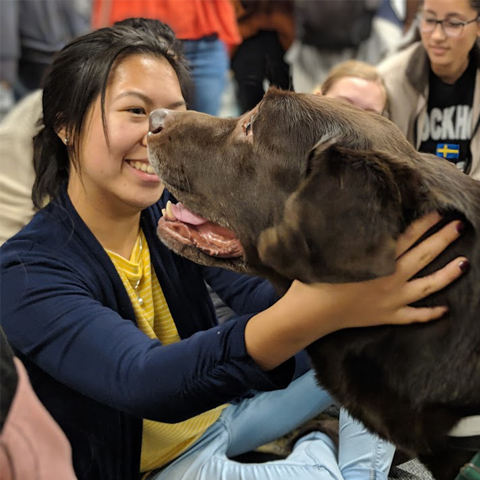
(355, 82)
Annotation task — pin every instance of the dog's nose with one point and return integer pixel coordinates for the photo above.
(157, 119)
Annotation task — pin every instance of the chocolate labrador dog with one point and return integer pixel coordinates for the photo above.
(304, 187)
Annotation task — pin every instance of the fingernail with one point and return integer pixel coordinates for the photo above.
(464, 265)
(460, 227)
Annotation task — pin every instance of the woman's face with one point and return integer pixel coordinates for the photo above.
(448, 55)
(365, 94)
(117, 178)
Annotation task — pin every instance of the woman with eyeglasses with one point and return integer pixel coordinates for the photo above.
(433, 85)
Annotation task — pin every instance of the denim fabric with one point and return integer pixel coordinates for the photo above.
(362, 455)
(209, 62)
(267, 416)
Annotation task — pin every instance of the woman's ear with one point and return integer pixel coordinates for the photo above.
(62, 135)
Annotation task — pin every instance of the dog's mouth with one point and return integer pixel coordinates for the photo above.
(190, 229)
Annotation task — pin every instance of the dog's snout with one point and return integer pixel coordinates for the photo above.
(157, 120)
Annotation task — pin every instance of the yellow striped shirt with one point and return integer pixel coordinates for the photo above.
(162, 442)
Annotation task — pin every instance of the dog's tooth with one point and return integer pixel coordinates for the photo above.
(170, 211)
(164, 212)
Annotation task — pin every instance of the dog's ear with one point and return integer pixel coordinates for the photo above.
(341, 225)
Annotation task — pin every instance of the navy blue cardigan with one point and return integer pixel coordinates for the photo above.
(68, 317)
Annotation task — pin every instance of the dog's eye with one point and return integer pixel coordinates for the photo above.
(248, 126)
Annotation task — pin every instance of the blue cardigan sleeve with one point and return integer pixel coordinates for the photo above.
(244, 294)
(50, 314)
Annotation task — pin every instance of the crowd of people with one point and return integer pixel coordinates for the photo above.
(112, 342)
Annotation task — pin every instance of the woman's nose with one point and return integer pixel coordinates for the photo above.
(438, 31)
(157, 119)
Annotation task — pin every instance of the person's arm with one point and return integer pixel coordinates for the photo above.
(53, 312)
(308, 312)
(247, 295)
(244, 294)
(51, 315)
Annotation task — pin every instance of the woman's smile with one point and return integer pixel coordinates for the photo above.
(144, 170)
(438, 50)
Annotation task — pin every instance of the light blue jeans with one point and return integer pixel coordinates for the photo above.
(270, 415)
(209, 62)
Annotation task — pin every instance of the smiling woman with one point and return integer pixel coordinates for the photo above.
(123, 182)
(119, 334)
(434, 85)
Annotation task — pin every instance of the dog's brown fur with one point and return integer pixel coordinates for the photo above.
(320, 193)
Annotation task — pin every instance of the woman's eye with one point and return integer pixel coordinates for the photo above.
(137, 111)
(454, 25)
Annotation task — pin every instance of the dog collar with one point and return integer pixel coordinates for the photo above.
(466, 434)
(466, 427)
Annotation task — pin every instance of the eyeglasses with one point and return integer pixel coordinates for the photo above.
(451, 28)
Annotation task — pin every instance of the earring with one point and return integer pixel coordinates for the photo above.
(65, 141)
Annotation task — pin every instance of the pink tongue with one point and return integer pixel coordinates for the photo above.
(184, 215)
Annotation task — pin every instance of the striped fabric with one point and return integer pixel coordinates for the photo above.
(162, 442)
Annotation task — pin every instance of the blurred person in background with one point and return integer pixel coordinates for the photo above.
(357, 83)
(17, 175)
(267, 29)
(31, 32)
(332, 31)
(32, 445)
(207, 28)
(433, 85)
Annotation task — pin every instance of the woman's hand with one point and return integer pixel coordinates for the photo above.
(386, 300)
(308, 312)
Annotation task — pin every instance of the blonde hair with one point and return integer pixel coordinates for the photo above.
(351, 68)
(355, 69)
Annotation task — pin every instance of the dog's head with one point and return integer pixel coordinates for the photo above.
(311, 188)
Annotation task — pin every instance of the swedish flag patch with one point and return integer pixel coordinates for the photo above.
(448, 150)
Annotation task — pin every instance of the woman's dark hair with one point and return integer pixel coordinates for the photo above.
(78, 75)
(475, 4)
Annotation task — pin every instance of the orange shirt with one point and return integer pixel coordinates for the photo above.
(189, 19)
